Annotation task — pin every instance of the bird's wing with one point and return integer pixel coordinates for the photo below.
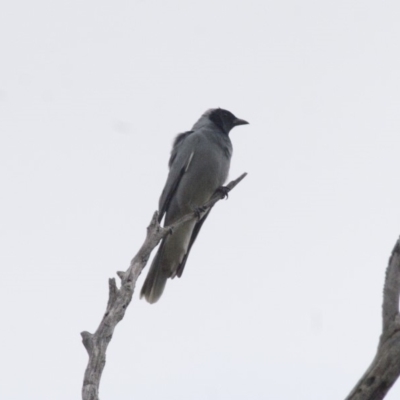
(179, 162)
(176, 145)
(195, 232)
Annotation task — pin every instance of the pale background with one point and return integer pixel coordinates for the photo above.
(281, 297)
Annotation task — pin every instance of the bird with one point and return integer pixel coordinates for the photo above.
(198, 166)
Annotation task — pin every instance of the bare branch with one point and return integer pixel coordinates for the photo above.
(385, 368)
(119, 299)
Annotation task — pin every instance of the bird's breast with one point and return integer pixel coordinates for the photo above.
(207, 171)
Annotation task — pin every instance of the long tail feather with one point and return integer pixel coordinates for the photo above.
(156, 279)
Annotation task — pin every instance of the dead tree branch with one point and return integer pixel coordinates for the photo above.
(385, 368)
(119, 298)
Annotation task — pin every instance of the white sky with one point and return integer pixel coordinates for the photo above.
(281, 296)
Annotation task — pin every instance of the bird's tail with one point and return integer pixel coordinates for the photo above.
(156, 279)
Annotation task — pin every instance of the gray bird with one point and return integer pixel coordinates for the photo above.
(198, 166)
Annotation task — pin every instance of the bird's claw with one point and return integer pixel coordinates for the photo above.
(199, 210)
(223, 190)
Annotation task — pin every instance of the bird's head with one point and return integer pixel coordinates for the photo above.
(224, 119)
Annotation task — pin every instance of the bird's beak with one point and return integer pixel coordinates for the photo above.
(239, 121)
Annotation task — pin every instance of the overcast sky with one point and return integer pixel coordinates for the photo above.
(281, 296)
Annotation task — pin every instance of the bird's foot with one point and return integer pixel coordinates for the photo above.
(171, 230)
(199, 210)
(223, 191)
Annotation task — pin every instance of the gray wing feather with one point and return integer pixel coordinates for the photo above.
(195, 232)
(178, 164)
(177, 143)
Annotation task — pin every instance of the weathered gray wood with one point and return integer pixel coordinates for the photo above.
(385, 367)
(118, 299)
